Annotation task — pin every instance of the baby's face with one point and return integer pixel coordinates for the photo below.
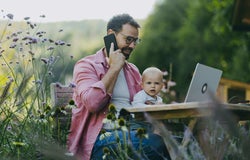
(152, 84)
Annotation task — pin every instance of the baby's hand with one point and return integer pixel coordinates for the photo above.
(149, 103)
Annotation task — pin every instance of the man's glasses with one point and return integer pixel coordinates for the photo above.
(130, 39)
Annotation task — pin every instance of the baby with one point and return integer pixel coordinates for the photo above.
(152, 83)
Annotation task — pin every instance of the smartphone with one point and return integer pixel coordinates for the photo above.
(108, 39)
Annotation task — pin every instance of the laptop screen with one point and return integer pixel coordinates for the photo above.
(204, 84)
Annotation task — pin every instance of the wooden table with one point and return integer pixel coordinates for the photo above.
(198, 112)
(189, 110)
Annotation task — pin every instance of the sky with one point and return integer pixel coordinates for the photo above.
(67, 10)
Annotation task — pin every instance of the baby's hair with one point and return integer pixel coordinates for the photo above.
(152, 70)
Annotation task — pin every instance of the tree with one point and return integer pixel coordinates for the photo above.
(187, 32)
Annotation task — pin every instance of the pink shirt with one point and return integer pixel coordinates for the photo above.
(92, 101)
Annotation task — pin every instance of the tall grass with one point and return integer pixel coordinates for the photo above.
(27, 58)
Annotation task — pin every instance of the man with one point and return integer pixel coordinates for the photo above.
(101, 80)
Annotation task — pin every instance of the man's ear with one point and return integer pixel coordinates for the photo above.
(110, 31)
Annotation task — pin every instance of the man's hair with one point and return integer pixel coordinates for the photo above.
(116, 22)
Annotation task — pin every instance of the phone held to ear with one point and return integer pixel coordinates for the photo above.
(108, 39)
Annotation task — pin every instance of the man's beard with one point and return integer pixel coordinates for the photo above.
(126, 51)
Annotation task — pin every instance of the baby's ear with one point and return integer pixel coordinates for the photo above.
(141, 84)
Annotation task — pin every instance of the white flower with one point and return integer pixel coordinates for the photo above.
(105, 135)
(106, 120)
(124, 128)
(171, 84)
(69, 154)
(165, 73)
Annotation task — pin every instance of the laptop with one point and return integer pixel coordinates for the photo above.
(204, 84)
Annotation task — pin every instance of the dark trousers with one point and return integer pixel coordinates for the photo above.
(153, 147)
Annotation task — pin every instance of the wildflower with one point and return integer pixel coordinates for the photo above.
(42, 16)
(118, 140)
(15, 39)
(26, 18)
(64, 112)
(18, 144)
(69, 154)
(51, 41)
(171, 83)
(38, 81)
(110, 117)
(71, 102)
(165, 73)
(47, 109)
(72, 85)
(58, 85)
(9, 128)
(13, 45)
(10, 16)
(45, 60)
(60, 43)
(34, 40)
(50, 73)
(122, 124)
(141, 133)
(105, 135)
(50, 48)
(106, 152)
(42, 118)
(51, 59)
(112, 108)
(57, 111)
(32, 53)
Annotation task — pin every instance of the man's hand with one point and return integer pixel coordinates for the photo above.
(116, 58)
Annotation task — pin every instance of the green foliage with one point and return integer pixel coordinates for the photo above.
(186, 32)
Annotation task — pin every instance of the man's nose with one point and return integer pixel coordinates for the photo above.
(132, 44)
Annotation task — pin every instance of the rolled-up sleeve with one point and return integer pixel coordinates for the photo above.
(89, 87)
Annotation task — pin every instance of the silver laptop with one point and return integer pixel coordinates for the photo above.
(204, 84)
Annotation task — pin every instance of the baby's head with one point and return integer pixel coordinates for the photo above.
(152, 81)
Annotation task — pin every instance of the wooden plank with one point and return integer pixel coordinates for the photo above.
(189, 110)
(64, 95)
(60, 95)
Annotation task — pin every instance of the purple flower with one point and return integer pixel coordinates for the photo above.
(45, 60)
(26, 18)
(72, 85)
(10, 16)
